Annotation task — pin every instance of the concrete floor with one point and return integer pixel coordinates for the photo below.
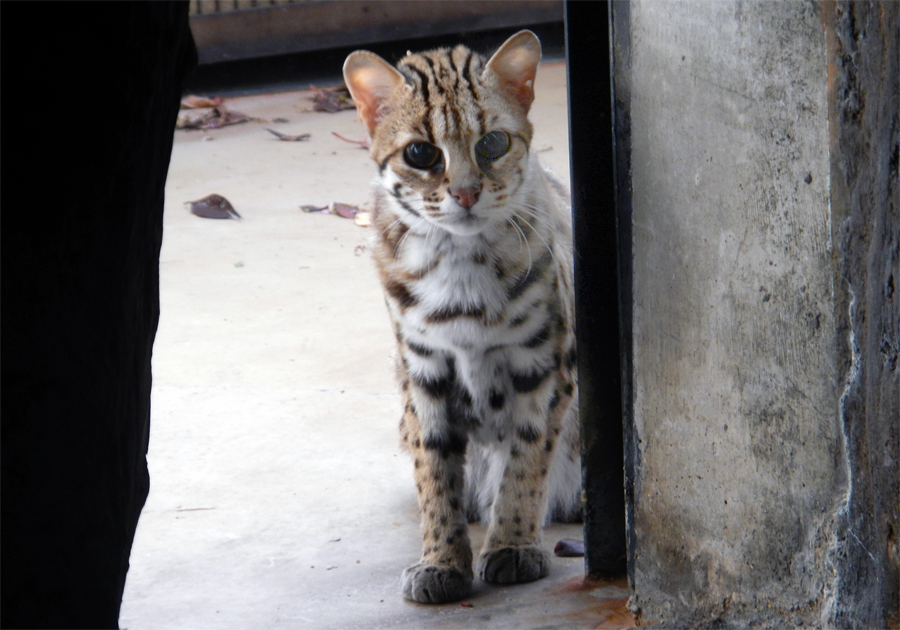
(279, 496)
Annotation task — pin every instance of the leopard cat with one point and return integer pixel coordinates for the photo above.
(474, 251)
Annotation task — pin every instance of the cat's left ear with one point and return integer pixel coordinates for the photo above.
(515, 65)
(371, 81)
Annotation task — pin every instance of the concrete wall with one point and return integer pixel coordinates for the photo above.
(746, 353)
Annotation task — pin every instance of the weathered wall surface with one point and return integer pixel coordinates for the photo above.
(864, 102)
(747, 475)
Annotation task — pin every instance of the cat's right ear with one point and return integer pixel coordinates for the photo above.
(371, 80)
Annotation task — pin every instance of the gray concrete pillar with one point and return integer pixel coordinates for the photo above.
(763, 442)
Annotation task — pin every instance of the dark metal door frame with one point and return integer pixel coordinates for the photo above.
(598, 134)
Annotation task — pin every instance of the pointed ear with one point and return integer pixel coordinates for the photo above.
(371, 80)
(515, 65)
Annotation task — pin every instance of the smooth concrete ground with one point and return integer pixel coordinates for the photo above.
(279, 496)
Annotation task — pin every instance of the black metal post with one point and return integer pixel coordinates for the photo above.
(597, 286)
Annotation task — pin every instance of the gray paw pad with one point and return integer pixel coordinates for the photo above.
(513, 565)
(432, 584)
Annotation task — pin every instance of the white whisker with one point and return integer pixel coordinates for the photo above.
(536, 217)
(522, 239)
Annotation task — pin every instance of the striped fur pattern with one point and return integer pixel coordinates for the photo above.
(473, 248)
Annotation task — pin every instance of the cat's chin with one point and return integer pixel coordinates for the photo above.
(469, 225)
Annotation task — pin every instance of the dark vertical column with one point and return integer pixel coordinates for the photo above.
(596, 283)
(864, 113)
(92, 92)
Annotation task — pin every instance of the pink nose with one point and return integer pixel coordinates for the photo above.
(466, 197)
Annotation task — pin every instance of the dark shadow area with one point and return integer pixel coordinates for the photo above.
(324, 67)
(82, 227)
(597, 284)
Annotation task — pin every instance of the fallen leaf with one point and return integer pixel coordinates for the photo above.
(199, 102)
(568, 548)
(311, 208)
(217, 117)
(365, 143)
(284, 136)
(332, 99)
(466, 605)
(344, 210)
(213, 207)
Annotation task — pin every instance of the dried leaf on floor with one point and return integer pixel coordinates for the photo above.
(344, 210)
(217, 117)
(199, 102)
(213, 207)
(332, 99)
(466, 605)
(365, 143)
(569, 548)
(288, 138)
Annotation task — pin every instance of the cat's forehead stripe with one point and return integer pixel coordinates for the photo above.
(442, 86)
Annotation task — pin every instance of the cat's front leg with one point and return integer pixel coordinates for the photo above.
(512, 551)
(444, 573)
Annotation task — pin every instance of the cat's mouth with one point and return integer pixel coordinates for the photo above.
(464, 223)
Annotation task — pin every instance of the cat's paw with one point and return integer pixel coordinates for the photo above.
(433, 584)
(513, 565)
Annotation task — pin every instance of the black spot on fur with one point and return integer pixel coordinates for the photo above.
(446, 445)
(542, 336)
(534, 273)
(518, 320)
(454, 312)
(400, 292)
(529, 435)
(496, 399)
(525, 383)
(567, 389)
(463, 397)
(571, 358)
(422, 351)
(555, 400)
(548, 445)
(434, 387)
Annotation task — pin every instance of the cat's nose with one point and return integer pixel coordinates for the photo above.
(466, 196)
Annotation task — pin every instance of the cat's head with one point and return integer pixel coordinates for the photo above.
(449, 130)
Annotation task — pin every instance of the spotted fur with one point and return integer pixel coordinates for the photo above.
(474, 253)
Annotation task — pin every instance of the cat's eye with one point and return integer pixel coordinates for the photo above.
(421, 155)
(492, 146)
